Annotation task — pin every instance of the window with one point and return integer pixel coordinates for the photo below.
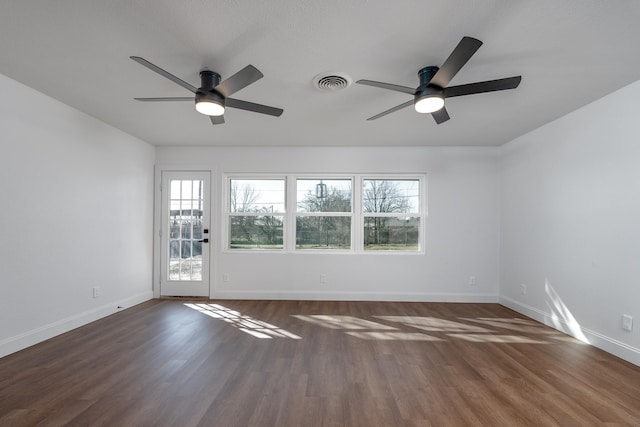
(391, 214)
(256, 213)
(186, 204)
(353, 214)
(324, 211)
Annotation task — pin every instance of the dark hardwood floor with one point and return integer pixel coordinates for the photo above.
(310, 363)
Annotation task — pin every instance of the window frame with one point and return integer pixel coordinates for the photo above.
(420, 214)
(357, 214)
(228, 214)
(351, 214)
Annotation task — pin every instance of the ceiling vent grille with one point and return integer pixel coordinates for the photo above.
(332, 81)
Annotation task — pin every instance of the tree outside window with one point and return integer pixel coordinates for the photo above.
(256, 213)
(391, 209)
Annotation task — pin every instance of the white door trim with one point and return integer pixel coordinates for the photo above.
(157, 221)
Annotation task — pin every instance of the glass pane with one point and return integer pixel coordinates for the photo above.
(185, 227)
(196, 249)
(185, 270)
(197, 231)
(323, 195)
(174, 249)
(186, 186)
(186, 205)
(391, 233)
(256, 195)
(174, 259)
(256, 232)
(175, 189)
(196, 269)
(174, 229)
(185, 248)
(185, 230)
(323, 232)
(174, 270)
(391, 196)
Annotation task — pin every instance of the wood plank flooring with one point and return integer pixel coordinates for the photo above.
(312, 363)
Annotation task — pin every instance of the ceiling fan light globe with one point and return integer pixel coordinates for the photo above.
(209, 108)
(210, 103)
(429, 104)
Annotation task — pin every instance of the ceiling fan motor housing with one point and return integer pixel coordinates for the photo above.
(209, 80)
(209, 96)
(426, 74)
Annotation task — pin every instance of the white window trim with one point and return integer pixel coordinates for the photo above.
(421, 214)
(357, 215)
(294, 210)
(226, 214)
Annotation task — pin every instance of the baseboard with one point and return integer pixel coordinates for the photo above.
(356, 296)
(603, 342)
(34, 336)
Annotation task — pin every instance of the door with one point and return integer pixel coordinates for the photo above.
(184, 261)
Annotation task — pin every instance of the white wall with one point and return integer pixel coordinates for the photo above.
(76, 212)
(462, 226)
(571, 223)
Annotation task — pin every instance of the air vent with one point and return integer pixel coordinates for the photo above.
(332, 81)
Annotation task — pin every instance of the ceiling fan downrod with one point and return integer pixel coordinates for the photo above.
(426, 74)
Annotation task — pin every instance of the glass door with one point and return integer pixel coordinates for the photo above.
(185, 234)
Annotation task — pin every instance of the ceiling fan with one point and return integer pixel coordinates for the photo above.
(212, 97)
(429, 96)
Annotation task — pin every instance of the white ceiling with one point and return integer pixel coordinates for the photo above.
(569, 53)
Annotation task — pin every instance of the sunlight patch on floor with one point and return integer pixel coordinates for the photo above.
(246, 324)
(433, 324)
(492, 330)
(567, 338)
(561, 316)
(342, 322)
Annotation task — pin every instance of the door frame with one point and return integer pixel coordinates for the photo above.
(157, 222)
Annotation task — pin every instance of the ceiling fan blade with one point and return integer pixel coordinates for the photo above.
(391, 110)
(239, 80)
(481, 87)
(217, 120)
(389, 86)
(164, 73)
(181, 98)
(441, 115)
(460, 55)
(256, 108)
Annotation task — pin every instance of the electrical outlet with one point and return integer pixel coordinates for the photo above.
(323, 278)
(472, 280)
(627, 322)
(96, 291)
(523, 289)
(225, 277)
